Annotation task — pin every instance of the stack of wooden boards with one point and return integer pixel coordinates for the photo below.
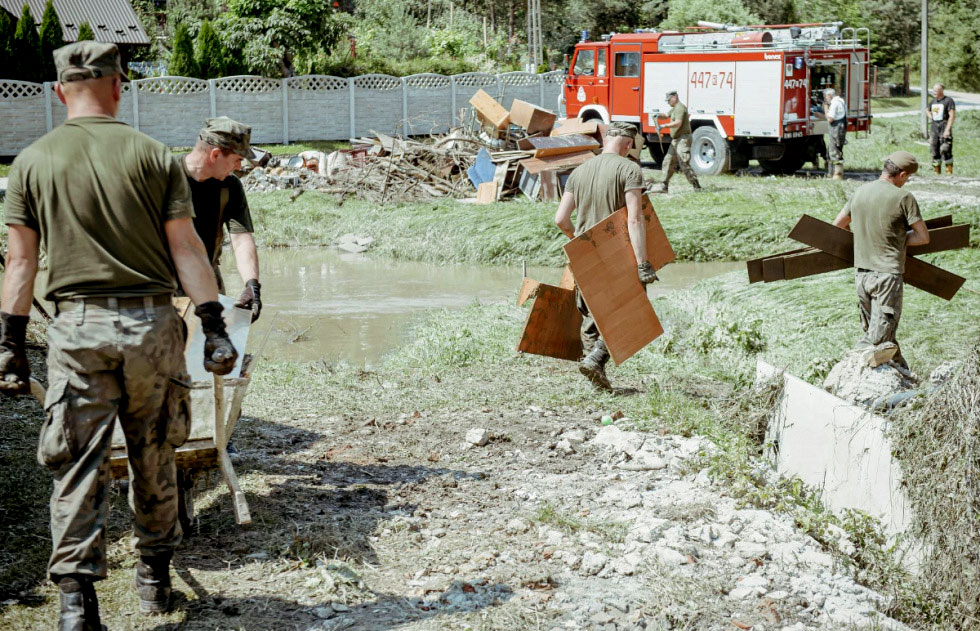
(536, 157)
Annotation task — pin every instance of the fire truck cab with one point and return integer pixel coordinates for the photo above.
(753, 92)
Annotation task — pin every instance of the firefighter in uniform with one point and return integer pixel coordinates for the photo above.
(679, 154)
(219, 202)
(597, 189)
(113, 212)
(885, 220)
(836, 114)
(942, 113)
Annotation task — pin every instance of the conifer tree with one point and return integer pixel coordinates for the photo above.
(51, 40)
(7, 29)
(210, 52)
(85, 32)
(27, 48)
(182, 62)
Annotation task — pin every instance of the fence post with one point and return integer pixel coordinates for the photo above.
(48, 117)
(452, 92)
(353, 122)
(135, 91)
(405, 125)
(213, 97)
(285, 114)
(541, 91)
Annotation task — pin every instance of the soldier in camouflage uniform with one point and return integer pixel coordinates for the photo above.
(679, 154)
(113, 212)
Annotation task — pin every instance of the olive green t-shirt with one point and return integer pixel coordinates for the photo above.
(881, 215)
(679, 113)
(98, 192)
(599, 187)
(210, 217)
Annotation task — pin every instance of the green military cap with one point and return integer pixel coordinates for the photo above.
(87, 60)
(670, 94)
(620, 128)
(229, 134)
(904, 161)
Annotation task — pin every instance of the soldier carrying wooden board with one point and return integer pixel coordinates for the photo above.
(596, 190)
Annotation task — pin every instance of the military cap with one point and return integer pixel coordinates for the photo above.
(904, 161)
(670, 94)
(620, 128)
(87, 60)
(229, 134)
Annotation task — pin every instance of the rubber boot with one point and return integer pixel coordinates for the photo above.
(949, 168)
(838, 172)
(594, 366)
(153, 584)
(937, 168)
(79, 605)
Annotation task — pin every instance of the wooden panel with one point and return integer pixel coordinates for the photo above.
(567, 278)
(492, 113)
(754, 266)
(529, 289)
(773, 270)
(939, 222)
(941, 239)
(531, 117)
(556, 145)
(576, 126)
(810, 263)
(559, 162)
(824, 236)
(486, 193)
(605, 270)
(553, 326)
(932, 279)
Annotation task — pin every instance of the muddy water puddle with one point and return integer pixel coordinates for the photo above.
(324, 304)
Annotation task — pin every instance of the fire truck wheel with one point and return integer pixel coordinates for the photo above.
(710, 153)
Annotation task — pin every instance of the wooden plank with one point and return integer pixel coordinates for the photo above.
(810, 263)
(824, 236)
(567, 278)
(531, 117)
(529, 289)
(491, 112)
(754, 266)
(932, 279)
(558, 162)
(500, 178)
(939, 222)
(486, 193)
(941, 239)
(553, 325)
(556, 145)
(577, 126)
(605, 271)
(549, 191)
(773, 270)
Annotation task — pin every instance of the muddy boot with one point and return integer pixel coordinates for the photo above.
(949, 168)
(153, 584)
(594, 366)
(937, 168)
(79, 604)
(838, 172)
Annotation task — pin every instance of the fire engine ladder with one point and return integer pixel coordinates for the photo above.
(861, 35)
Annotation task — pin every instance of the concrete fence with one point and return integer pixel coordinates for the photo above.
(310, 107)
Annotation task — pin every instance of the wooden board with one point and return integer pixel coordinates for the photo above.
(531, 117)
(558, 162)
(553, 326)
(529, 289)
(754, 266)
(942, 239)
(577, 126)
(605, 271)
(491, 112)
(540, 186)
(567, 278)
(809, 263)
(932, 279)
(557, 145)
(486, 193)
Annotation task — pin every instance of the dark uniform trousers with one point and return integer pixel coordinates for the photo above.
(941, 148)
(113, 358)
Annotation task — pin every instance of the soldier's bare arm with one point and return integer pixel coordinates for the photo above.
(246, 255)
(843, 219)
(918, 235)
(21, 268)
(636, 224)
(191, 261)
(949, 124)
(563, 216)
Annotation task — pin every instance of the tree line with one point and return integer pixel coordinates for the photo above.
(27, 49)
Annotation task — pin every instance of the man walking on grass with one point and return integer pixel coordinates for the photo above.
(942, 113)
(597, 189)
(679, 153)
(885, 220)
(113, 212)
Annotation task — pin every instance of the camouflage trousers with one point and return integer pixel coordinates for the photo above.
(111, 359)
(589, 331)
(836, 139)
(679, 157)
(880, 300)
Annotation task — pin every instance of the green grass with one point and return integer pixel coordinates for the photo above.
(4, 169)
(894, 103)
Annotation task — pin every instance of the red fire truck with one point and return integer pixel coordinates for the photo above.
(752, 91)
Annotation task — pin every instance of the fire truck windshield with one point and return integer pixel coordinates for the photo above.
(585, 62)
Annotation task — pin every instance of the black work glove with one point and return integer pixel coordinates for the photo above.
(646, 273)
(250, 298)
(219, 353)
(15, 371)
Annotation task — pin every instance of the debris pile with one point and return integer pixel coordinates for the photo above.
(500, 153)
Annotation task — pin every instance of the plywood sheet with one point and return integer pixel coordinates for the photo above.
(486, 193)
(553, 325)
(531, 117)
(567, 278)
(576, 126)
(529, 289)
(557, 145)
(605, 270)
(555, 163)
(491, 112)
(942, 239)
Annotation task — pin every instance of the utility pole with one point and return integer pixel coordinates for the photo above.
(924, 68)
(534, 43)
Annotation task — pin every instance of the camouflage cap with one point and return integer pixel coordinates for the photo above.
(904, 161)
(229, 134)
(620, 128)
(87, 60)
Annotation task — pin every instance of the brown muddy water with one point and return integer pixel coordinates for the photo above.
(319, 303)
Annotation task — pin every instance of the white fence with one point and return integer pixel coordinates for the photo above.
(310, 107)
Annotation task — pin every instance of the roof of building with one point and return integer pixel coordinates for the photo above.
(111, 20)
